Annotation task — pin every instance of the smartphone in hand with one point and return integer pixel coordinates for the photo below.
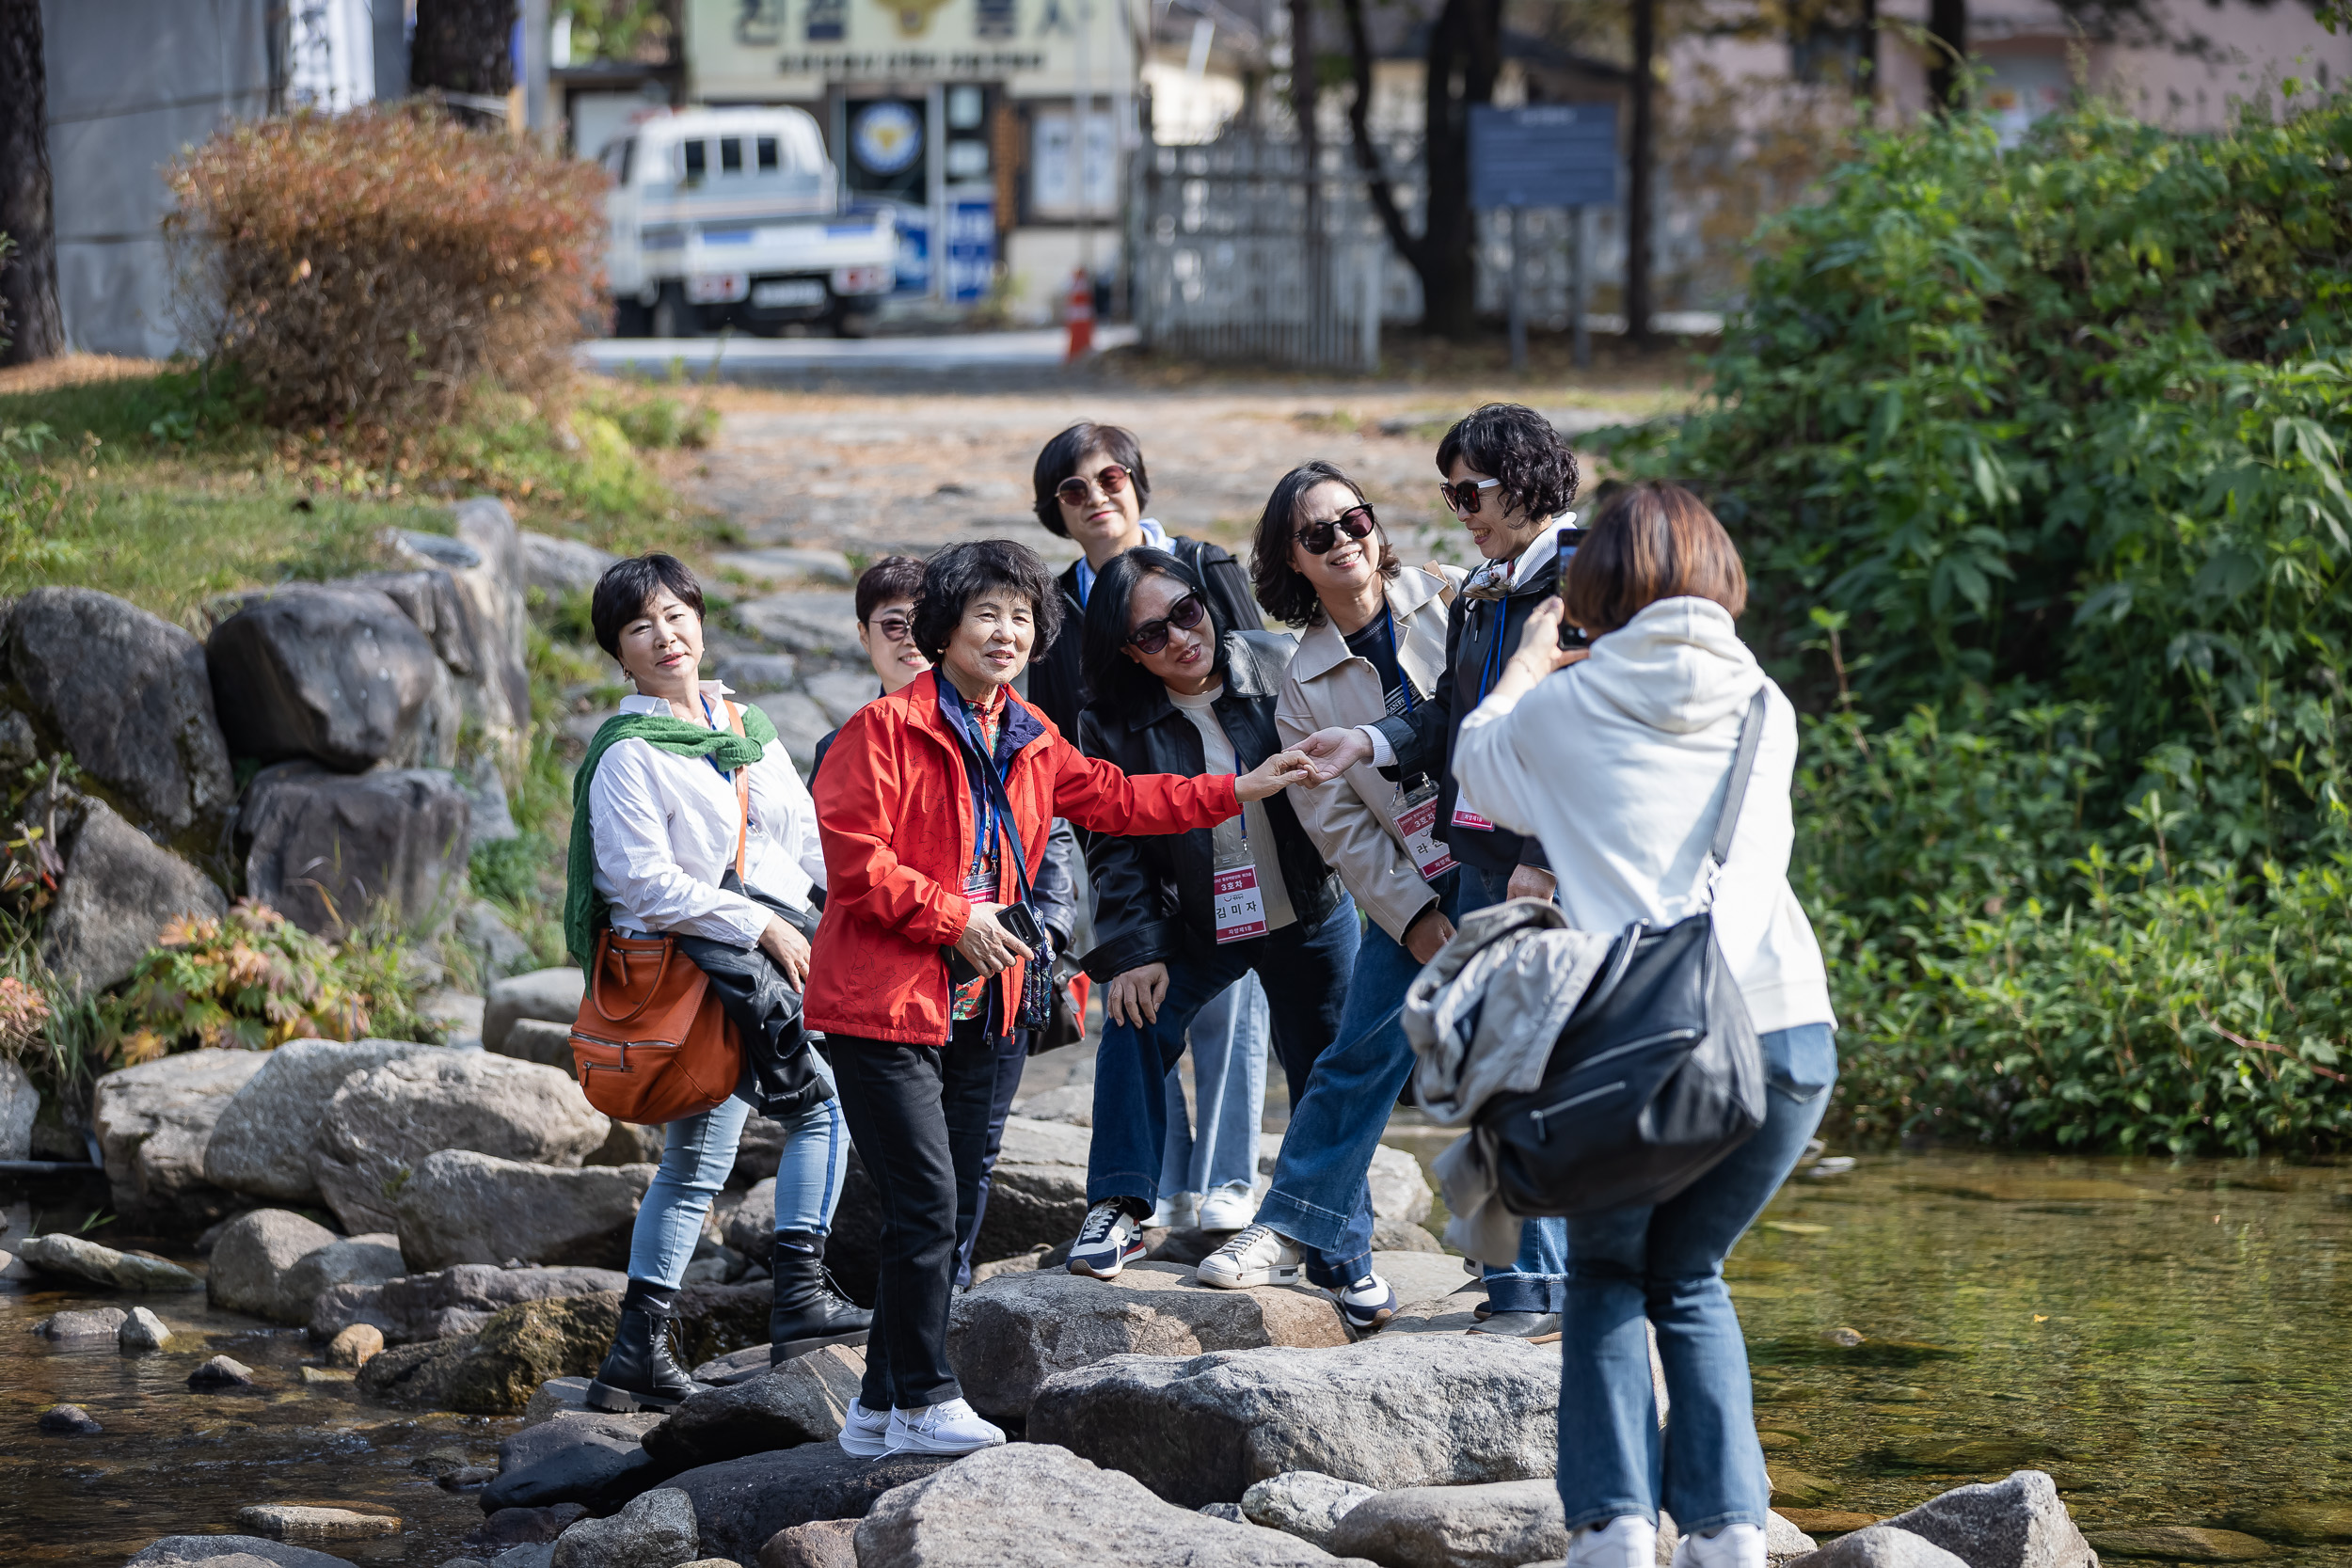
(1570, 636)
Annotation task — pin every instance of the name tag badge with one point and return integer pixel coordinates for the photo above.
(1416, 822)
(1465, 818)
(1240, 903)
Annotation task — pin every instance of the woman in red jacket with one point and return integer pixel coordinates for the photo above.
(934, 808)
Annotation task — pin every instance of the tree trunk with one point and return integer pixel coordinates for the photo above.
(1866, 58)
(1303, 108)
(1947, 33)
(463, 46)
(1466, 38)
(31, 327)
(1641, 161)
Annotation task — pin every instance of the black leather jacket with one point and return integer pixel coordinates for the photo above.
(1423, 740)
(1057, 688)
(1151, 894)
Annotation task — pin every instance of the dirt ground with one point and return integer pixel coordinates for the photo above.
(869, 472)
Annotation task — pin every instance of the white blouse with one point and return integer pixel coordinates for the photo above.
(663, 827)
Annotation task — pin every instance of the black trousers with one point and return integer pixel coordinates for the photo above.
(919, 1116)
(1012, 1055)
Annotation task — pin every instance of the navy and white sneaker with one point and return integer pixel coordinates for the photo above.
(1367, 1305)
(1108, 1242)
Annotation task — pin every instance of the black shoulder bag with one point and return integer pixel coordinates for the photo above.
(1656, 1076)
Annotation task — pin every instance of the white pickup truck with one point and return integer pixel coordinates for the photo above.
(725, 218)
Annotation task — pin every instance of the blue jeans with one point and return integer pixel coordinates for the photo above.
(1228, 1044)
(697, 1156)
(1537, 1275)
(1665, 1264)
(1319, 1182)
(1305, 972)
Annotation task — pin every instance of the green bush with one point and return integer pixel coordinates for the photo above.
(2048, 440)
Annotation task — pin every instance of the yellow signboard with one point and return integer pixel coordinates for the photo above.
(792, 49)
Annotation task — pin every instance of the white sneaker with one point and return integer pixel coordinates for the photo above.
(1258, 1256)
(954, 1427)
(1628, 1541)
(866, 1432)
(1228, 1208)
(1732, 1546)
(1108, 1242)
(1367, 1305)
(1176, 1211)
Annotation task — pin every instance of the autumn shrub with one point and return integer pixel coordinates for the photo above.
(372, 267)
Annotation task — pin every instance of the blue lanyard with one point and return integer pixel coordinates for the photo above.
(711, 720)
(1403, 681)
(1493, 660)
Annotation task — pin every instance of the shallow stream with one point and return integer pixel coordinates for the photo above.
(2169, 1340)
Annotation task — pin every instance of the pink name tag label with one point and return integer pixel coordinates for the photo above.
(1240, 905)
(1465, 818)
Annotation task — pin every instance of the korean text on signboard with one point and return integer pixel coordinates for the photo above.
(1543, 155)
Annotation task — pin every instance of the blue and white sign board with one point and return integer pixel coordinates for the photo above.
(1543, 155)
(971, 249)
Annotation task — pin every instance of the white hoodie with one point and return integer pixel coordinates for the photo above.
(1618, 765)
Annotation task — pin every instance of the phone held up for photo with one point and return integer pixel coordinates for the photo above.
(1570, 636)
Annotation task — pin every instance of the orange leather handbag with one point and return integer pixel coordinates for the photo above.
(651, 1043)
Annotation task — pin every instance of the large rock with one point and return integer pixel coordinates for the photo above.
(1497, 1526)
(741, 1503)
(804, 1401)
(448, 1301)
(329, 850)
(586, 1458)
(551, 995)
(229, 1551)
(2015, 1522)
(128, 696)
(267, 1141)
(333, 672)
(1880, 1546)
(350, 1261)
(494, 1371)
(20, 1103)
(118, 894)
(252, 1257)
(1425, 1410)
(487, 566)
(94, 1322)
(152, 1122)
(1044, 1507)
(654, 1530)
(382, 1124)
(1007, 1336)
(2180, 1544)
(461, 1207)
(558, 566)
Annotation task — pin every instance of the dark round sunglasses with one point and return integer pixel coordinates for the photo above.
(1184, 614)
(1074, 490)
(1357, 522)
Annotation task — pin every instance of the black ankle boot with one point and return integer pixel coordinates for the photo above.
(642, 1371)
(810, 1311)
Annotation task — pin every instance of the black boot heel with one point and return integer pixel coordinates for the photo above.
(810, 1312)
(642, 1371)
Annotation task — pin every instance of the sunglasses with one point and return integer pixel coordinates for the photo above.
(1463, 497)
(1186, 613)
(1074, 490)
(894, 629)
(1357, 522)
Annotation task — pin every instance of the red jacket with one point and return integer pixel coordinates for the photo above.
(894, 811)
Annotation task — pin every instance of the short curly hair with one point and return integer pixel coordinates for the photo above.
(1283, 589)
(1511, 442)
(1059, 460)
(962, 573)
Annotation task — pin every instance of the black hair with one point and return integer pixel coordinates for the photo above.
(1059, 460)
(1114, 680)
(1511, 442)
(1283, 589)
(886, 582)
(962, 573)
(627, 585)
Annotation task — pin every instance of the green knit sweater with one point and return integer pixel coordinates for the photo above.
(584, 910)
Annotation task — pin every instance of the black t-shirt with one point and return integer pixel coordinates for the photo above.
(1375, 642)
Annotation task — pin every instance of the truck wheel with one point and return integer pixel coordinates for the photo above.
(630, 319)
(671, 316)
(854, 324)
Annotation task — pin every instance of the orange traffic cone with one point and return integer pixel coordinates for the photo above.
(1079, 313)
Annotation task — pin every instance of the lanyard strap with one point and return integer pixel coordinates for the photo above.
(1403, 681)
(1493, 661)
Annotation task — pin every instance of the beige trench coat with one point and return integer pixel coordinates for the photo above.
(1353, 818)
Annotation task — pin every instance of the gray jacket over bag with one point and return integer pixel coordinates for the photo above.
(1482, 1017)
